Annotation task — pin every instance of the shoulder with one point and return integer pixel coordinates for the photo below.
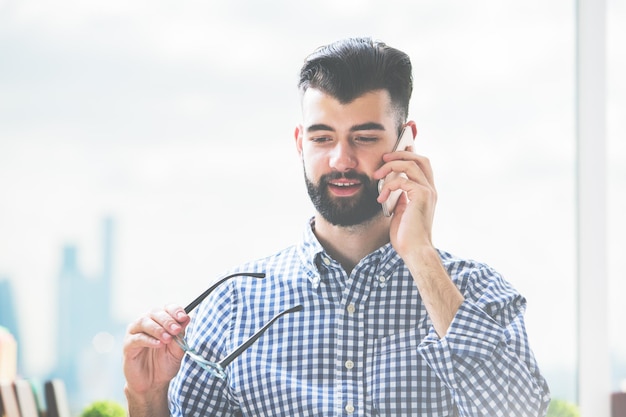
(284, 273)
(276, 264)
(246, 291)
(463, 269)
(482, 284)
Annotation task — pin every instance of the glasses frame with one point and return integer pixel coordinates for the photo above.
(217, 369)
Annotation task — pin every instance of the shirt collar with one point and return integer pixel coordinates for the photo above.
(311, 253)
(309, 250)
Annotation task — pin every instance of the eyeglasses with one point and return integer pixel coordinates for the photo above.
(218, 368)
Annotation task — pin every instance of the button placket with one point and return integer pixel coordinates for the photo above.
(381, 281)
(349, 351)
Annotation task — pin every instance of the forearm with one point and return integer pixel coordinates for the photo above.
(151, 404)
(439, 294)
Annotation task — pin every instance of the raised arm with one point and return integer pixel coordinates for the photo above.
(478, 345)
(411, 234)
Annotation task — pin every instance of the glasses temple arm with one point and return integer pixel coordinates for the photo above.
(245, 345)
(202, 296)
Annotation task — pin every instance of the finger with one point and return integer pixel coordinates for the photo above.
(427, 169)
(413, 191)
(158, 325)
(390, 185)
(421, 161)
(410, 172)
(407, 154)
(178, 313)
(136, 342)
(172, 318)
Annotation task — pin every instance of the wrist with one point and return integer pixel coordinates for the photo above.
(422, 256)
(148, 403)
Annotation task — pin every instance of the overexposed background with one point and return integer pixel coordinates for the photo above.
(176, 119)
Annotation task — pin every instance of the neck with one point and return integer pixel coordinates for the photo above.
(349, 244)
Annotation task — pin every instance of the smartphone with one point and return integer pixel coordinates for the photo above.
(404, 141)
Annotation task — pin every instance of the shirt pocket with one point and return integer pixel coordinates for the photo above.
(402, 383)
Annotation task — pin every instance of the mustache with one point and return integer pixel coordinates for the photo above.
(348, 175)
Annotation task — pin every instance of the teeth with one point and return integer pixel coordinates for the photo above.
(343, 184)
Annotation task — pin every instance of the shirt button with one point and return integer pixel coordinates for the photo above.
(351, 308)
(349, 408)
(326, 260)
(382, 281)
(349, 364)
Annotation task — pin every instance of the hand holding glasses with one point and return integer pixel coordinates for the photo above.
(217, 368)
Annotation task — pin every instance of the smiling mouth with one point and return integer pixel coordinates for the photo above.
(344, 184)
(344, 187)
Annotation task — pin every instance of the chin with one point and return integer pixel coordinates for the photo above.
(353, 220)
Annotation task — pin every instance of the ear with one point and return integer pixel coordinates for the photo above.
(298, 137)
(413, 127)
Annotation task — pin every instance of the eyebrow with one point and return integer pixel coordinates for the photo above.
(364, 126)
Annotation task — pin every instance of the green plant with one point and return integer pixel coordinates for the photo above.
(561, 408)
(104, 408)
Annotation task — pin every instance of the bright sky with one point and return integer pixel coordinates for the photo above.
(177, 120)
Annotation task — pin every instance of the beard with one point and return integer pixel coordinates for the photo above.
(344, 211)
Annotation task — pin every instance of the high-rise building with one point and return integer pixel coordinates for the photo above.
(89, 341)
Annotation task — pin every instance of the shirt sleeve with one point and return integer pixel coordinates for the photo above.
(485, 359)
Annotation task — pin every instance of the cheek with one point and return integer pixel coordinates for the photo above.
(310, 171)
(313, 161)
(371, 162)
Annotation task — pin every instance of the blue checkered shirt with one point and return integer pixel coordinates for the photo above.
(362, 346)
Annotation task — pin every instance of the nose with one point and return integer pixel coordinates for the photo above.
(343, 157)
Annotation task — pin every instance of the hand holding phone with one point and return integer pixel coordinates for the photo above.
(404, 141)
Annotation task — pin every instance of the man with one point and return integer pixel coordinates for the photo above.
(390, 325)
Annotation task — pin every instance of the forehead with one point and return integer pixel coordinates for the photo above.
(319, 107)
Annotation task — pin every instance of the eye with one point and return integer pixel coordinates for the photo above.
(320, 139)
(365, 139)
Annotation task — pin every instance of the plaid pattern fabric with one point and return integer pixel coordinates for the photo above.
(362, 346)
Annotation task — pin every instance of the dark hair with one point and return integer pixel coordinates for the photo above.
(349, 68)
